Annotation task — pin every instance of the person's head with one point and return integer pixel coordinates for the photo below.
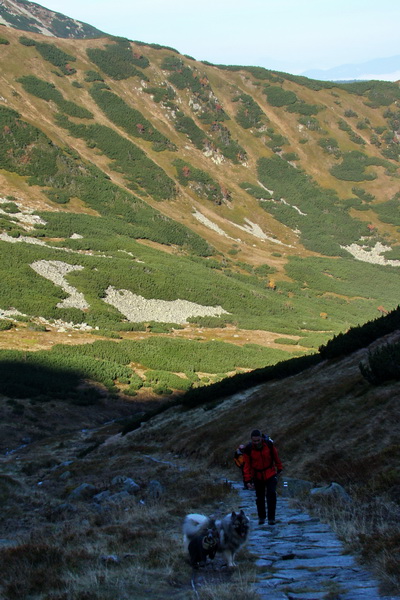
(256, 438)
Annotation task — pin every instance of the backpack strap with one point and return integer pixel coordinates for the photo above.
(270, 443)
(247, 449)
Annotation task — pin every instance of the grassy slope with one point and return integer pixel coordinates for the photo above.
(294, 308)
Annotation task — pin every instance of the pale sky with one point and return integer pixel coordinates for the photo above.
(286, 35)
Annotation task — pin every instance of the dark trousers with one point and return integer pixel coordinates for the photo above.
(266, 490)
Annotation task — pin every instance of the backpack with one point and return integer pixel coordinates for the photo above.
(238, 458)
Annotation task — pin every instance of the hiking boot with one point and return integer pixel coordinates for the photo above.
(261, 521)
(271, 521)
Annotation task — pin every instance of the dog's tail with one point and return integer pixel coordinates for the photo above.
(192, 524)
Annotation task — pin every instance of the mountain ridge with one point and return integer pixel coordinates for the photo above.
(30, 16)
(225, 177)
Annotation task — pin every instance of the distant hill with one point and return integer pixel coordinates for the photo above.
(387, 69)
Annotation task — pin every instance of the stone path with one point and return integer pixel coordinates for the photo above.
(300, 558)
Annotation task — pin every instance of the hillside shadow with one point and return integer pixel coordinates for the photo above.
(20, 379)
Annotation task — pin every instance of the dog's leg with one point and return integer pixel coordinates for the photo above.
(229, 558)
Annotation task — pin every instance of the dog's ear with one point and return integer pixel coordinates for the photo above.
(242, 512)
(233, 515)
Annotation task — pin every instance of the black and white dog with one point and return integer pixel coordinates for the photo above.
(232, 532)
(203, 544)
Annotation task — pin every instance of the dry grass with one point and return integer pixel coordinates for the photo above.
(370, 528)
(238, 588)
(64, 550)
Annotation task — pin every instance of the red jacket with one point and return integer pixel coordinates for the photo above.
(261, 463)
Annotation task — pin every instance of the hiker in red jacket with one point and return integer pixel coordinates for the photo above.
(262, 466)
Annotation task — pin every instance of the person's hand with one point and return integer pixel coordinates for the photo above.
(250, 486)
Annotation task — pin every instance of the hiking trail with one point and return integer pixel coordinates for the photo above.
(300, 558)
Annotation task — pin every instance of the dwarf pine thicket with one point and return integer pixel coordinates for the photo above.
(318, 297)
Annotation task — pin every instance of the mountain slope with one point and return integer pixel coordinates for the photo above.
(142, 190)
(32, 17)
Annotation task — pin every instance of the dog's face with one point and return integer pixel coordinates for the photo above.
(240, 524)
(211, 538)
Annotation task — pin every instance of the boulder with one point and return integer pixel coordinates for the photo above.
(155, 490)
(101, 496)
(332, 490)
(82, 492)
(125, 484)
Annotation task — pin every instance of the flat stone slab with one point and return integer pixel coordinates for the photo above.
(320, 562)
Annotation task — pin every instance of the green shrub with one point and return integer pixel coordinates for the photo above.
(52, 54)
(264, 270)
(131, 327)
(200, 181)
(161, 94)
(156, 327)
(92, 76)
(136, 382)
(6, 325)
(361, 336)
(362, 194)
(129, 118)
(379, 93)
(330, 146)
(162, 390)
(311, 123)
(286, 341)
(276, 140)
(353, 165)
(67, 176)
(118, 61)
(166, 380)
(249, 113)
(25, 41)
(383, 364)
(290, 156)
(363, 124)
(317, 209)
(209, 322)
(389, 211)
(350, 113)
(186, 125)
(227, 145)
(302, 108)
(277, 96)
(9, 207)
(140, 170)
(48, 91)
(255, 190)
(4, 41)
(181, 355)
